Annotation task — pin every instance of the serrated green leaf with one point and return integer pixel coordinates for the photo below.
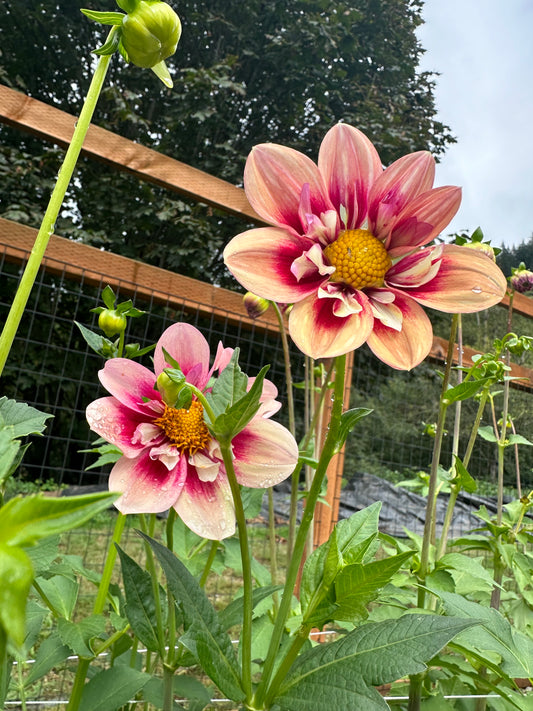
(104, 18)
(140, 602)
(229, 387)
(518, 439)
(24, 420)
(358, 584)
(112, 688)
(465, 481)
(50, 654)
(204, 635)
(78, 635)
(494, 633)
(339, 675)
(98, 343)
(24, 520)
(61, 592)
(9, 454)
(228, 424)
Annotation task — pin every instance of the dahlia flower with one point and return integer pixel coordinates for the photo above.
(170, 458)
(349, 247)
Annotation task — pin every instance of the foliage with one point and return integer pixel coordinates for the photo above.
(242, 76)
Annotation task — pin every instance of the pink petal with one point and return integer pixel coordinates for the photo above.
(147, 486)
(261, 261)
(268, 403)
(116, 423)
(265, 453)
(406, 348)
(188, 347)
(131, 383)
(318, 333)
(467, 281)
(400, 183)
(415, 269)
(424, 218)
(206, 507)
(349, 164)
(274, 177)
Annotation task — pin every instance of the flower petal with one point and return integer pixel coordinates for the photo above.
(116, 423)
(206, 507)
(467, 281)
(131, 383)
(261, 260)
(146, 485)
(189, 349)
(415, 269)
(400, 183)
(265, 453)
(423, 219)
(408, 347)
(319, 333)
(349, 164)
(274, 177)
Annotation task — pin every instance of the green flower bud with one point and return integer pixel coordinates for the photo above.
(255, 305)
(112, 322)
(150, 33)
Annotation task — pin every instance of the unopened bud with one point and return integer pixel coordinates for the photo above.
(255, 305)
(112, 322)
(521, 279)
(168, 388)
(150, 33)
(482, 247)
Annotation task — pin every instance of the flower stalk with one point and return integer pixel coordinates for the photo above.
(48, 223)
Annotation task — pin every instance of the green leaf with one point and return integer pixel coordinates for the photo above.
(358, 584)
(469, 573)
(103, 346)
(50, 654)
(487, 433)
(9, 453)
(24, 419)
(62, 593)
(78, 635)
(232, 614)
(465, 481)
(339, 675)
(518, 439)
(112, 688)
(229, 387)
(228, 424)
(348, 421)
(24, 520)
(465, 390)
(16, 575)
(493, 633)
(204, 635)
(104, 18)
(140, 602)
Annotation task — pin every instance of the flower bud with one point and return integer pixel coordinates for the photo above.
(255, 305)
(150, 33)
(168, 388)
(521, 279)
(482, 247)
(112, 322)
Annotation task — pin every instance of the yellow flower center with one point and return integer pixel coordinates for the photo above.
(359, 258)
(186, 429)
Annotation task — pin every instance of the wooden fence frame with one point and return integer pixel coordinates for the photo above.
(56, 126)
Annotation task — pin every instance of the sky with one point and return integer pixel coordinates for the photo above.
(483, 50)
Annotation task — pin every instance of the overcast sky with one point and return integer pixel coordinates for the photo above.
(483, 50)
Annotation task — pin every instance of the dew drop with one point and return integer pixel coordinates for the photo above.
(477, 290)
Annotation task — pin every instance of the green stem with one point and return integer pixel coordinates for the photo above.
(288, 371)
(246, 633)
(209, 563)
(264, 688)
(98, 608)
(272, 542)
(152, 570)
(56, 200)
(168, 693)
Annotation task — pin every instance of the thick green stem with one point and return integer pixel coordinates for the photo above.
(246, 633)
(264, 688)
(168, 693)
(98, 608)
(56, 200)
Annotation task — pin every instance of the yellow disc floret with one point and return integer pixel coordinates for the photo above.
(359, 258)
(186, 429)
